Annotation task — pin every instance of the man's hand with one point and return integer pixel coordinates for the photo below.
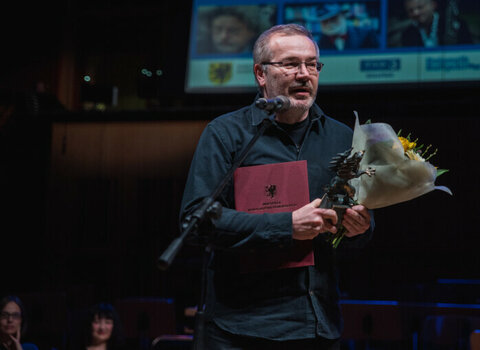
(310, 220)
(356, 220)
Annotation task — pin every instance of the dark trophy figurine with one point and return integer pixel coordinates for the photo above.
(339, 193)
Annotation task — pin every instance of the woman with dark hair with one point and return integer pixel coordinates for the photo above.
(101, 330)
(13, 324)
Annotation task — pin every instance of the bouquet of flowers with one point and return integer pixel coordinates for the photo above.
(398, 170)
(402, 168)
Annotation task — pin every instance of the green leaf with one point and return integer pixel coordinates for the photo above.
(441, 171)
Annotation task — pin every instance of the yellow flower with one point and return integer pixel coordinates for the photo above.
(407, 145)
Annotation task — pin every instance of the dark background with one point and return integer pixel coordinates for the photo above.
(70, 241)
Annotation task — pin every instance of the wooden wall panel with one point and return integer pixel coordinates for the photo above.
(124, 148)
(113, 199)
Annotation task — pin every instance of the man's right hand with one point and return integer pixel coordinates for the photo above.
(310, 220)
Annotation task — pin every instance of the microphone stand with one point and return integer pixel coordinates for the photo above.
(209, 208)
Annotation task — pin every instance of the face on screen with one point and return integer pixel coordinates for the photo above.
(421, 11)
(368, 55)
(230, 34)
(336, 25)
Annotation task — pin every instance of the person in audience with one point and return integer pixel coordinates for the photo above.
(13, 324)
(101, 330)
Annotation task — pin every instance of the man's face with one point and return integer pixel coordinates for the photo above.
(300, 87)
(230, 35)
(421, 11)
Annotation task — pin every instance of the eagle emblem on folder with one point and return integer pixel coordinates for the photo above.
(271, 190)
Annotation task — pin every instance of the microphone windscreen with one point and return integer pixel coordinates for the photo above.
(285, 101)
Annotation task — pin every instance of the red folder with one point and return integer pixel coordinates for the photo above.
(273, 188)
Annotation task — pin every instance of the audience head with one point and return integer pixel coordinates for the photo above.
(12, 317)
(103, 326)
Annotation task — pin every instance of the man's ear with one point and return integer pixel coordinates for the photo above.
(259, 75)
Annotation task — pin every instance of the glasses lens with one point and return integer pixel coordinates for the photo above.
(312, 67)
(14, 315)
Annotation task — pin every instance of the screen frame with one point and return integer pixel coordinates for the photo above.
(349, 86)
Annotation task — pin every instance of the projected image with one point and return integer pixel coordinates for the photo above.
(231, 29)
(430, 23)
(339, 26)
(362, 42)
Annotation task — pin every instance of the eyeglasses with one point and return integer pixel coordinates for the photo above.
(294, 66)
(14, 315)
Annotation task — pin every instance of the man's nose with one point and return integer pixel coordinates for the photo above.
(302, 70)
(223, 34)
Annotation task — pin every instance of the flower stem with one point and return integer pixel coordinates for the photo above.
(338, 238)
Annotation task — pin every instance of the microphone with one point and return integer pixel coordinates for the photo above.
(276, 104)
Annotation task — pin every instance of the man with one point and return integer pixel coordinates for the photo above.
(430, 29)
(289, 308)
(230, 32)
(337, 34)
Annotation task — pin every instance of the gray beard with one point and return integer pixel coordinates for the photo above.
(300, 107)
(296, 112)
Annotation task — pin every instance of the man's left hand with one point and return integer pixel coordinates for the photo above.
(356, 220)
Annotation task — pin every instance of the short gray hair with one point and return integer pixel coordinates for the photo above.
(261, 49)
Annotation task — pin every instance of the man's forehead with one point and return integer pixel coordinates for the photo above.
(280, 37)
(292, 45)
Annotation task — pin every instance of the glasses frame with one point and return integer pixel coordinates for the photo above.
(14, 315)
(319, 65)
